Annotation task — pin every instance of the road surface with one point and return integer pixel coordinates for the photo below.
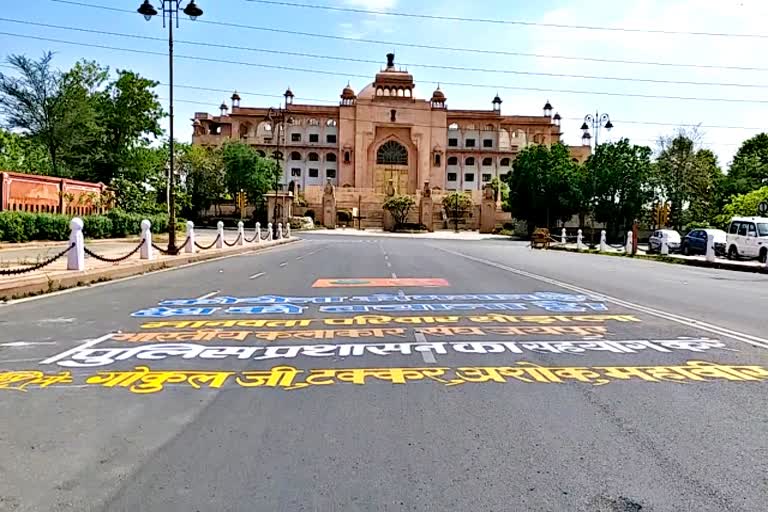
(419, 375)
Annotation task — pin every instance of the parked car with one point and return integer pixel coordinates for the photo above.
(673, 240)
(695, 242)
(748, 238)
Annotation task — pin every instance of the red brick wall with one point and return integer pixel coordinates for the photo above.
(47, 194)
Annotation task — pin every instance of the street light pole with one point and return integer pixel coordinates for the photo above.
(171, 9)
(596, 122)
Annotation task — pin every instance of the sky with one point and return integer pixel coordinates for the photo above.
(524, 82)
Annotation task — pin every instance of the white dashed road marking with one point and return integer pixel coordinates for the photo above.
(256, 276)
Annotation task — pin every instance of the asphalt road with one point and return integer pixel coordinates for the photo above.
(637, 395)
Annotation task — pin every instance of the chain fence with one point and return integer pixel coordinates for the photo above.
(253, 239)
(237, 240)
(38, 266)
(113, 260)
(206, 247)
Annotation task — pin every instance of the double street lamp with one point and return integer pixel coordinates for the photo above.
(171, 9)
(597, 122)
(276, 118)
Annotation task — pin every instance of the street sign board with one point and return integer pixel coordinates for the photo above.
(762, 208)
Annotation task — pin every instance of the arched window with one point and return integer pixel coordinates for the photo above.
(314, 157)
(313, 122)
(267, 127)
(452, 160)
(487, 162)
(504, 162)
(490, 128)
(330, 122)
(453, 126)
(290, 120)
(469, 161)
(393, 153)
(330, 157)
(346, 157)
(469, 127)
(295, 155)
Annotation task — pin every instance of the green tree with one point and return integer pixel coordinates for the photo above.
(399, 207)
(686, 176)
(21, 154)
(749, 169)
(204, 177)
(744, 205)
(457, 204)
(544, 186)
(45, 105)
(246, 170)
(619, 183)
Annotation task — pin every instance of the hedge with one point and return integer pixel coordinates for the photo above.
(25, 227)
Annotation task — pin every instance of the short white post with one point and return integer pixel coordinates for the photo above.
(189, 247)
(241, 233)
(562, 236)
(710, 252)
(579, 240)
(664, 244)
(219, 235)
(258, 232)
(279, 230)
(269, 232)
(603, 242)
(147, 251)
(628, 246)
(76, 255)
(287, 230)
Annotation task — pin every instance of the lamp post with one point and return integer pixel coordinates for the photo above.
(597, 122)
(276, 118)
(171, 9)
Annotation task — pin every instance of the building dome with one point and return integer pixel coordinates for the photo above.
(368, 92)
(288, 93)
(348, 93)
(438, 95)
(235, 96)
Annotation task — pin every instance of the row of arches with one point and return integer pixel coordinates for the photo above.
(399, 92)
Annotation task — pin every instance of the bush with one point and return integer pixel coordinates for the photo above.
(399, 207)
(25, 226)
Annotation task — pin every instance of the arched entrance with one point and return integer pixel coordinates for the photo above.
(392, 166)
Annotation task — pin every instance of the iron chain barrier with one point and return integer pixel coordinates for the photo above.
(17, 271)
(113, 260)
(206, 247)
(237, 240)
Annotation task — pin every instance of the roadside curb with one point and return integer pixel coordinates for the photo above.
(37, 285)
(722, 265)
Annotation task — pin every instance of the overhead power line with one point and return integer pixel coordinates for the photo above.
(496, 21)
(392, 44)
(351, 75)
(371, 61)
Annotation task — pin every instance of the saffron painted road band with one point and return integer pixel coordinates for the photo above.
(386, 320)
(329, 334)
(87, 355)
(143, 380)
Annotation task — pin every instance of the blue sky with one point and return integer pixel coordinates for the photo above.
(630, 114)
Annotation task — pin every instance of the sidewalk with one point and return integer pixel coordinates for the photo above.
(436, 235)
(56, 276)
(698, 261)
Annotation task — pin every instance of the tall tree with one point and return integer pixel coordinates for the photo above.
(619, 180)
(246, 170)
(203, 175)
(40, 103)
(21, 154)
(685, 175)
(749, 169)
(543, 186)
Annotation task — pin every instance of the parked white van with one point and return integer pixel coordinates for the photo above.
(748, 238)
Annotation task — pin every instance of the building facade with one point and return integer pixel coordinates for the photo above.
(384, 134)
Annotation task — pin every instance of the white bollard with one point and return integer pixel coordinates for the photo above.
(710, 250)
(189, 247)
(287, 230)
(603, 242)
(664, 244)
(219, 235)
(562, 236)
(269, 232)
(628, 246)
(579, 241)
(76, 255)
(147, 251)
(240, 233)
(279, 230)
(258, 232)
